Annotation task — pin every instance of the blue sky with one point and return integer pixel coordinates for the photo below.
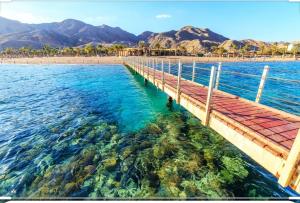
(268, 21)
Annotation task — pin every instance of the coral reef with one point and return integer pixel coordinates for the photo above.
(172, 157)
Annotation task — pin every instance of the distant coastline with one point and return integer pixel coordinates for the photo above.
(118, 60)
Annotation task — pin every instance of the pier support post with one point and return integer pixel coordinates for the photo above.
(139, 65)
(163, 75)
(262, 83)
(193, 73)
(169, 67)
(154, 70)
(209, 96)
(291, 163)
(218, 75)
(170, 103)
(148, 67)
(178, 83)
(143, 67)
(136, 65)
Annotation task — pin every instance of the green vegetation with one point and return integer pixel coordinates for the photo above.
(234, 50)
(87, 50)
(274, 49)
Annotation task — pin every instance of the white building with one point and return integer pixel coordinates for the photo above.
(290, 47)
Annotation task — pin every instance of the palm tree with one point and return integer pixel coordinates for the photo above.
(182, 50)
(46, 50)
(141, 44)
(116, 48)
(89, 49)
(25, 51)
(296, 49)
(77, 51)
(9, 51)
(274, 49)
(264, 50)
(100, 49)
(234, 47)
(221, 51)
(68, 51)
(245, 49)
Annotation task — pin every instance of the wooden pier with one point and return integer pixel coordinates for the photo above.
(269, 136)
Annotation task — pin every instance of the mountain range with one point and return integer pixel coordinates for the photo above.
(72, 33)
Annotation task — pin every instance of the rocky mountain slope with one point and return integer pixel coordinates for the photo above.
(72, 33)
(66, 33)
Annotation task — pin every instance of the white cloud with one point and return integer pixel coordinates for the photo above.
(24, 17)
(162, 16)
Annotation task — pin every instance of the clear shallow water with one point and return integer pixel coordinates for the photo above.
(84, 131)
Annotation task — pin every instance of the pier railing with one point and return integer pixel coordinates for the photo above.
(210, 78)
(199, 73)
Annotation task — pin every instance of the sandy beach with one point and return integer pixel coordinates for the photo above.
(237, 59)
(118, 60)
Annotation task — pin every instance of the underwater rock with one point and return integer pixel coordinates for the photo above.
(126, 153)
(168, 174)
(235, 166)
(68, 177)
(88, 156)
(144, 145)
(107, 136)
(190, 188)
(115, 138)
(83, 192)
(211, 186)
(158, 152)
(146, 190)
(44, 191)
(127, 163)
(191, 166)
(169, 147)
(54, 130)
(70, 187)
(210, 157)
(67, 133)
(91, 136)
(113, 129)
(89, 169)
(109, 164)
(19, 165)
(171, 191)
(153, 129)
(82, 131)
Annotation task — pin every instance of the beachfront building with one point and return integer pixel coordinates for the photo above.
(150, 52)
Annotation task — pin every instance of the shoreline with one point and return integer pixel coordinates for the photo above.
(113, 60)
(118, 60)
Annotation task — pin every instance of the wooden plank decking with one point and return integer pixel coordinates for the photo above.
(265, 134)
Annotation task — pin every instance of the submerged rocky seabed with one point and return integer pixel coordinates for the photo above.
(172, 157)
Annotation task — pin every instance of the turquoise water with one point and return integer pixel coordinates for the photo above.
(97, 131)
